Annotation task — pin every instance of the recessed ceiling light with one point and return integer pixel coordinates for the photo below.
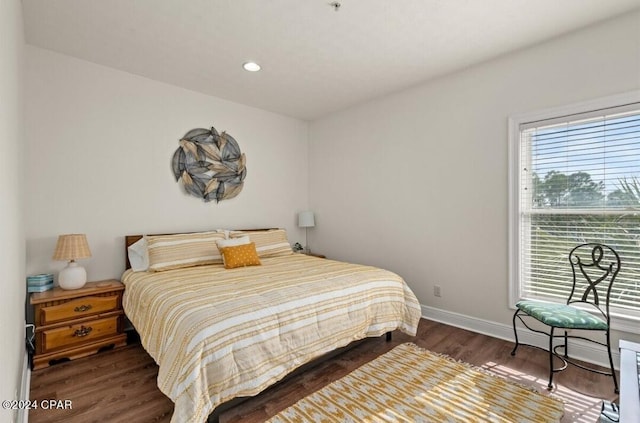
(251, 66)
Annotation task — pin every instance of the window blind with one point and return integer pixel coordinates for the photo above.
(580, 182)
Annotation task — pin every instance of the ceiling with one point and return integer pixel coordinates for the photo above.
(315, 60)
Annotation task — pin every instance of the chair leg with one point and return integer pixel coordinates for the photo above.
(515, 332)
(550, 385)
(613, 371)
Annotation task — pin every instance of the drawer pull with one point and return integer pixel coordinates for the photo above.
(82, 308)
(82, 331)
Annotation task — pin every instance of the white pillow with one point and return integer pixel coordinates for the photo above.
(139, 255)
(233, 242)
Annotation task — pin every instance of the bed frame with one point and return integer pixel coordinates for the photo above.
(214, 417)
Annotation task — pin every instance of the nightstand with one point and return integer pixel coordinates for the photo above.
(77, 323)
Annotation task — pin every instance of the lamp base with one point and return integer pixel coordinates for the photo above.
(72, 277)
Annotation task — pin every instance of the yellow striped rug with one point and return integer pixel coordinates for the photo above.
(411, 384)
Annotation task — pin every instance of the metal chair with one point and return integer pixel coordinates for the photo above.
(594, 267)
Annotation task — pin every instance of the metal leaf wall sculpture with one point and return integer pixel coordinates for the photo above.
(210, 165)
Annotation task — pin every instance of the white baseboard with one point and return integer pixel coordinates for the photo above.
(580, 350)
(25, 386)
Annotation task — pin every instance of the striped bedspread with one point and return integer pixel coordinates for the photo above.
(218, 334)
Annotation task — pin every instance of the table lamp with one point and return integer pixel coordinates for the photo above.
(306, 220)
(72, 247)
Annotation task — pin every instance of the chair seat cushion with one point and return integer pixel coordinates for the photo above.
(561, 315)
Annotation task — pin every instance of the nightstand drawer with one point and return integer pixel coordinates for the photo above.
(82, 333)
(76, 323)
(76, 308)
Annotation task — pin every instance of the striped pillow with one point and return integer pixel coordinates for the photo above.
(183, 250)
(271, 243)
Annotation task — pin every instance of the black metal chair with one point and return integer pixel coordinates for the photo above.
(594, 267)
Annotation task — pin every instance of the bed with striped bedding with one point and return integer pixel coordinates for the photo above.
(219, 333)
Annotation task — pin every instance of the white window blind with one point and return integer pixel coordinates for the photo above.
(579, 181)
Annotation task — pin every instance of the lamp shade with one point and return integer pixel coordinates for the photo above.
(72, 247)
(306, 220)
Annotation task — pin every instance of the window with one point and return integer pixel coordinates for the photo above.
(574, 178)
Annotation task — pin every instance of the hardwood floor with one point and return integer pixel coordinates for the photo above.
(120, 385)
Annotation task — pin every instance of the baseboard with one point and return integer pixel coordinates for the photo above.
(22, 415)
(580, 350)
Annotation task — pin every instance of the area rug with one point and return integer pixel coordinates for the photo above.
(411, 384)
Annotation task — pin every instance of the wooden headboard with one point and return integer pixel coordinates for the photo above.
(132, 239)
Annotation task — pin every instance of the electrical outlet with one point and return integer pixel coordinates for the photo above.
(436, 291)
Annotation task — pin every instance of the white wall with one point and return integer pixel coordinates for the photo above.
(12, 258)
(99, 149)
(417, 181)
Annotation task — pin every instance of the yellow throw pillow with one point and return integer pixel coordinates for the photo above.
(240, 256)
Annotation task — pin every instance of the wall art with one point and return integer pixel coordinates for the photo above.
(209, 164)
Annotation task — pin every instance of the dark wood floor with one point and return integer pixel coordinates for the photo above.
(120, 386)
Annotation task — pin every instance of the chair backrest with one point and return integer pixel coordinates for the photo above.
(594, 267)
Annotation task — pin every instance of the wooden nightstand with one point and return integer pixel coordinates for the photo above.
(77, 323)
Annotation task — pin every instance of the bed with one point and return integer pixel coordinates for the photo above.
(219, 333)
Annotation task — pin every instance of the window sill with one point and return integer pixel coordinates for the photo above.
(628, 324)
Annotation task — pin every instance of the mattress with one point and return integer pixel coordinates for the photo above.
(219, 333)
